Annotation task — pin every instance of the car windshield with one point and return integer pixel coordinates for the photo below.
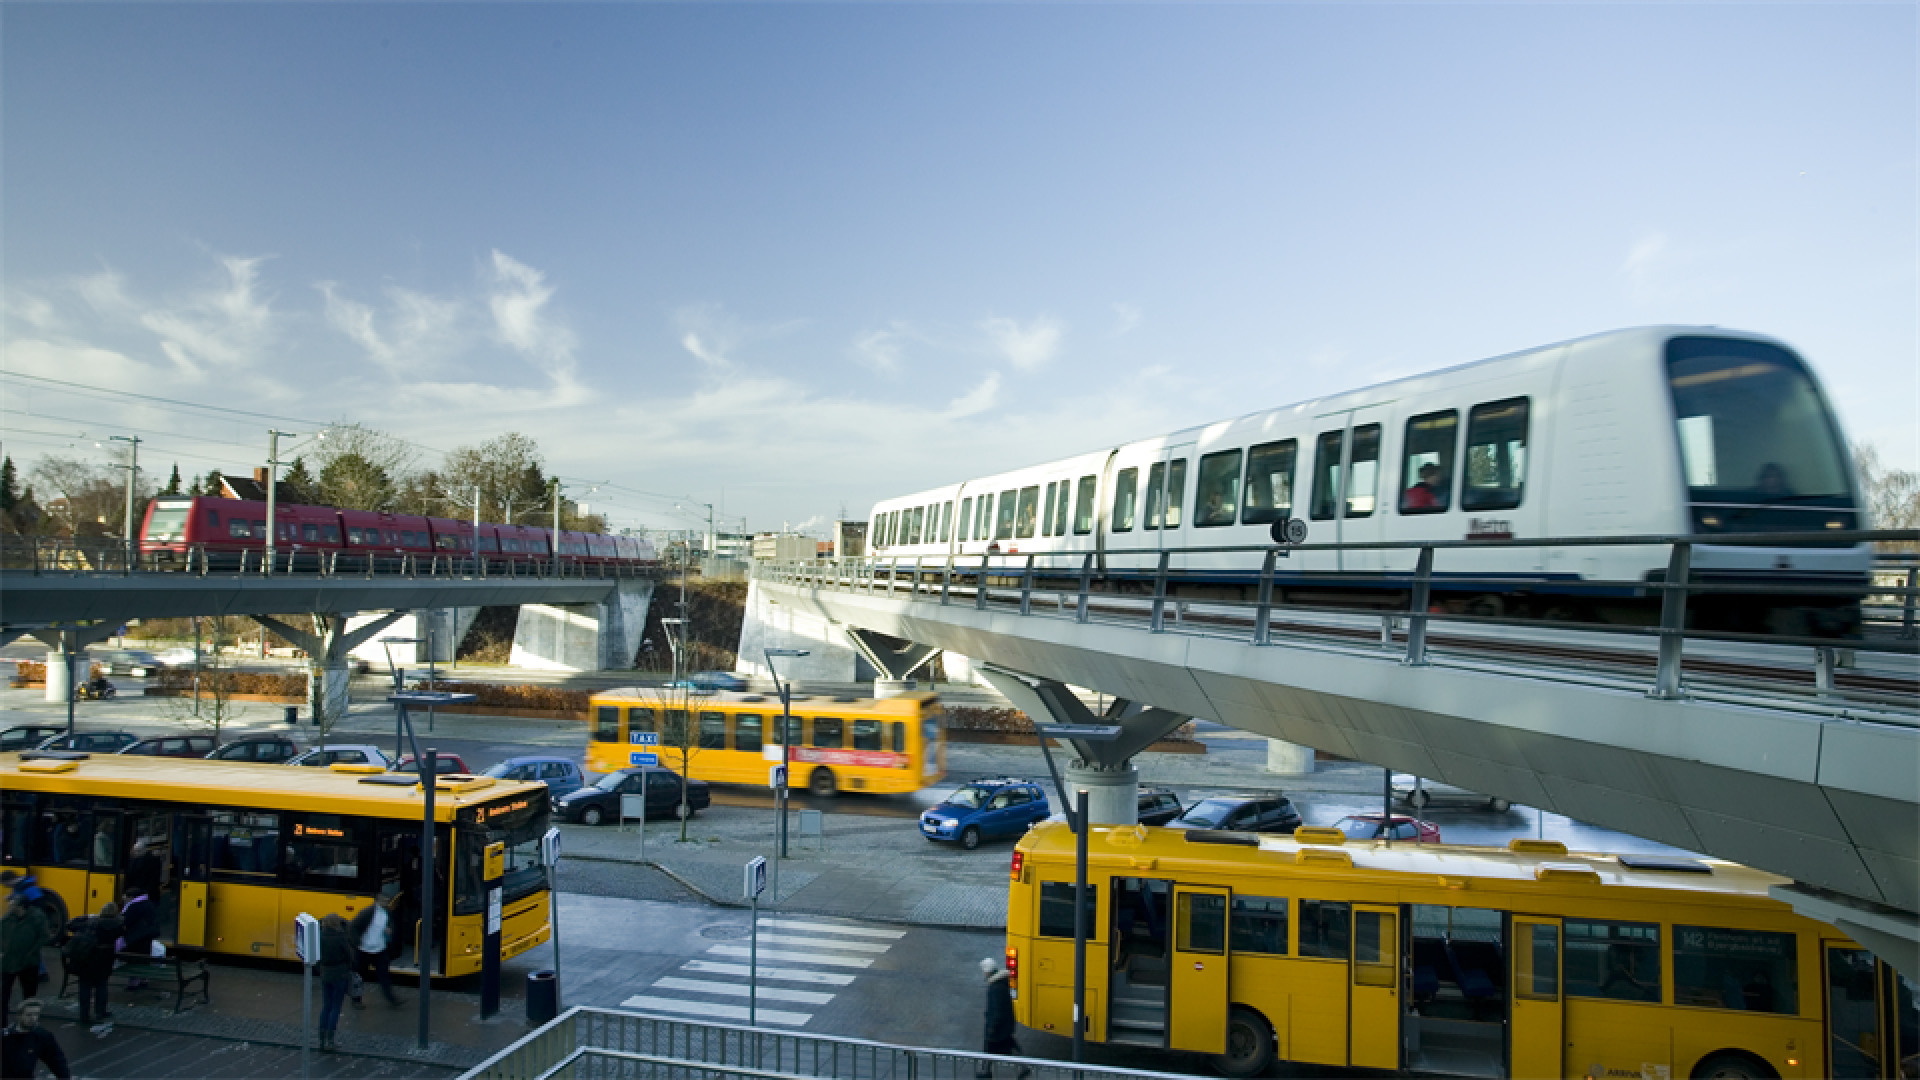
(1359, 828)
(497, 771)
(1210, 812)
(970, 798)
(611, 781)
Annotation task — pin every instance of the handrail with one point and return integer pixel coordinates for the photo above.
(66, 557)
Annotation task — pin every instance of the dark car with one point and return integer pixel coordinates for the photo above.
(263, 749)
(986, 809)
(27, 736)
(1240, 813)
(90, 742)
(133, 662)
(560, 775)
(442, 764)
(600, 801)
(193, 746)
(1158, 806)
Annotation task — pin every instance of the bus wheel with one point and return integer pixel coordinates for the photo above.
(1419, 799)
(1249, 1043)
(592, 815)
(821, 783)
(970, 837)
(1734, 1067)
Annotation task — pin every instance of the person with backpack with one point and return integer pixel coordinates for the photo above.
(89, 955)
(23, 933)
(336, 973)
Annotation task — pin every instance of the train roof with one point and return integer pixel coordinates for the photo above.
(1448, 866)
(811, 703)
(266, 787)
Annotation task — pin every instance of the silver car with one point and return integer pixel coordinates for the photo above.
(1420, 794)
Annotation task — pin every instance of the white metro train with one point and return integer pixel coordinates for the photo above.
(1654, 431)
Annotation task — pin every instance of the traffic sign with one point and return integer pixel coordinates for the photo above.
(645, 738)
(777, 777)
(646, 759)
(755, 880)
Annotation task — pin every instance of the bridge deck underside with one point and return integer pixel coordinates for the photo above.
(30, 600)
(1830, 802)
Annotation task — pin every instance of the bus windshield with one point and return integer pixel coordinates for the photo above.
(517, 821)
(1758, 446)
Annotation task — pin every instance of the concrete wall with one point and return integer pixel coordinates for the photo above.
(584, 637)
(447, 628)
(783, 626)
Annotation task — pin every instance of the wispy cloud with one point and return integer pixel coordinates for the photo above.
(518, 296)
(1025, 345)
(418, 328)
(228, 325)
(1644, 257)
(1126, 319)
(714, 336)
(977, 400)
(880, 348)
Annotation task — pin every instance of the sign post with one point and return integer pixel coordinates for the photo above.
(550, 858)
(306, 945)
(649, 756)
(755, 880)
(493, 869)
(777, 780)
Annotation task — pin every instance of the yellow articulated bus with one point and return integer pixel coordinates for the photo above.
(1459, 961)
(232, 852)
(878, 745)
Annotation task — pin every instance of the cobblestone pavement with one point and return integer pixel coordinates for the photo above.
(132, 1052)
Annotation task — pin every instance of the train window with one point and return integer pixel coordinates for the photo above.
(1156, 490)
(1496, 471)
(1164, 498)
(914, 518)
(966, 520)
(1426, 465)
(946, 521)
(1125, 494)
(1326, 474)
(238, 528)
(1269, 495)
(1029, 512)
(212, 519)
(1046, 515)
(1363, 481)
(353, 535)
(1003, 525)
(1218, 489)
(1083, 507)
(1060, 509)
(330, 533)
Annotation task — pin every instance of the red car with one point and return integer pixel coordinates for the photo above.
(442, 765)
(1368, 827)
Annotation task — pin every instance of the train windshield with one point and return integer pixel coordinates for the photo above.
(168, 522)
(1758, 445)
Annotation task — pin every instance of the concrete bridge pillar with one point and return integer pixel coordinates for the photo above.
(584, 637)
(770, 625)
(438, 630)
(894, 659)
(328, 647)
(60, 673)
(1289, 759)
(1113, 791)
(67, 656)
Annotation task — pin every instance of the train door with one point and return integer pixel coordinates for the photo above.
(1374, 997)
(1199, 990)
(193, 838)
(1537, 1022)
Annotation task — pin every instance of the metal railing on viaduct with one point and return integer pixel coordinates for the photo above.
(1790, 752)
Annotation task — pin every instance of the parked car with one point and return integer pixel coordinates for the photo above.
(192, 746)
(179, 656)
(717, 680)
(1420, 794)
(600, 801)
(1241, 813)
(344, 754)
(442, 764)
(260, 749)
(1369, 827)
(135, 662)
(90, 742)
(1158, 806)
(27, 736)
(560, 775)
(986, 809)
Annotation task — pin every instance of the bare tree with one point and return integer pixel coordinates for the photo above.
(360, 468)
(678, 725)
(209, 706)
(1892, 495)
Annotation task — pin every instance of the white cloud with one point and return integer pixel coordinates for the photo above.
(1126, 319)
(979, 399)
(706, 353)
(880, 349)
(419, 328)
(1644, 257)
(1025, 345)
(518, 296)
(225, 327)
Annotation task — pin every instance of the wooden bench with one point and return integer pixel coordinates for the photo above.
(176, 969)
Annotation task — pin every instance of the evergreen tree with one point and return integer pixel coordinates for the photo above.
(173, 482)
(212, 486)
(299, 485)
(9, 490)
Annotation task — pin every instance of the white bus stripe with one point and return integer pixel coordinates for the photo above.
(833, 928)
(792, 957)
(766, 993)
(825, 943)
(821, 978)
(718, 1012)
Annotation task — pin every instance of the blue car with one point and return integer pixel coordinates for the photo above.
(987, 809)
(559, 774)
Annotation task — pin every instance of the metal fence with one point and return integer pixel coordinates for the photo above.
(590, 1044)
(62, 556)
(1142, 587)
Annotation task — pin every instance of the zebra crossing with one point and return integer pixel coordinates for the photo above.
(797, 957)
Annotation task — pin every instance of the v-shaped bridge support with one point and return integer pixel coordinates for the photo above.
(327, 646)
(894, 659)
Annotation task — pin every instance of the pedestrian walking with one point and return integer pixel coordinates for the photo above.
(26, 1046)
(140, 922)
(336, 972)
(999, 1035)
(89, 954)
(373, 936)
(23, 933)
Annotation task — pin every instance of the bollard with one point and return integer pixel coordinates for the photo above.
(543, 997)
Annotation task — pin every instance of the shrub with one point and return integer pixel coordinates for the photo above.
(521, 696)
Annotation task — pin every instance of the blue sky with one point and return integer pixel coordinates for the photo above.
(800, 257)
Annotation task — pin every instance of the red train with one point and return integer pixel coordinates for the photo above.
(233, 532)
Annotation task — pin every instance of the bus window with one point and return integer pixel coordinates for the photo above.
(1259, 925)
(1125, 494)
(899, 737)
(1325, 926)
(1751, 970)
(1201, 922)
(746, 733)
(1056, 908)
(827, 733)
(639, 720)
(606, 726)
(866, 735)
(324, 852)
(1537, 961)
(245, 843)
(1617, 960)
(1083, 507)
(1375, 948)
(64, 839)
(713, 731)
(19, 833)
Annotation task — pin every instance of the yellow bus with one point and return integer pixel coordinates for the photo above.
(1461, 961)
(232, 852)
(878, 745)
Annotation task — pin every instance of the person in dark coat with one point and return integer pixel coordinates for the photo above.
(26, 1046)
(372, 931)
(999, 1035)
(91, 951)
(23, 933)
(336, 971)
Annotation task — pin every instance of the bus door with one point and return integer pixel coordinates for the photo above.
(1536, 1042)
(106, 848)
(1199, 987)
(1872, 1025)
(193, 839)
(150, 867)
(1374, 1001)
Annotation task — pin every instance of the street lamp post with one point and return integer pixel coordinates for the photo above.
(786, 757)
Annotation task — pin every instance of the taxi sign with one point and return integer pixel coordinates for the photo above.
(644, 738)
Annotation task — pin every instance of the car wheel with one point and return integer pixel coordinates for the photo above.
(1249, 1043)
(970, 837)
(1499, 806)
(683, 811)
(592, 815)
(1420, 799)
(822, 784)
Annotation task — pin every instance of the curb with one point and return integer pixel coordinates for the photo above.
(73, 1013)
